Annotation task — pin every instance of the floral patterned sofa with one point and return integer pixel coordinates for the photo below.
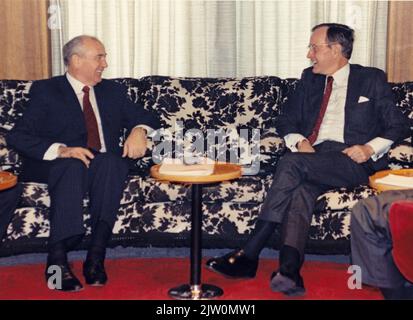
(158, 214)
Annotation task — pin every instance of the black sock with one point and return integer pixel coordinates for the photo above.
(262, 231)
(72, 242)
(290, 262)
(100, 238)
(57, 253)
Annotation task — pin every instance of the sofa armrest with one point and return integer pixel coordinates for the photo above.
(9, 158)
(401, 155)
(272, 147)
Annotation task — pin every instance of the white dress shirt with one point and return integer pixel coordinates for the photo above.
(332, 126)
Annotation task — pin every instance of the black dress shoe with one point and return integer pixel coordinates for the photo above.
(94, 272)
(289, 286)
(234, 265)
(68, 283)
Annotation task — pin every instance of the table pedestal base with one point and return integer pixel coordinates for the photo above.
(195, 292)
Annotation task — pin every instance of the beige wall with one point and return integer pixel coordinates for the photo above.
(24, 39)
(400, 41)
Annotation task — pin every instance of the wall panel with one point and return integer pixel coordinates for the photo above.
(400, 41)
(24, 40)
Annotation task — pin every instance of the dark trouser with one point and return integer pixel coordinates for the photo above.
(300, 178)
(68, 182)
(371, 241)
(8, 202)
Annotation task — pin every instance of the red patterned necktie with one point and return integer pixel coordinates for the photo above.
(327, 92)
(93, 140)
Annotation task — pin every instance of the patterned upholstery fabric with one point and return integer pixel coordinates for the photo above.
(152, 210)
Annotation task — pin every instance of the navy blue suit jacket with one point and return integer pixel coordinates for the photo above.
(55, 115)
(378, 117)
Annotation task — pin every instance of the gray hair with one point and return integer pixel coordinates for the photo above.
(341, 34)
(75, 46)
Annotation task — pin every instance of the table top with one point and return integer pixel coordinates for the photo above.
(222, 172)
(385, 187)
(7, 180)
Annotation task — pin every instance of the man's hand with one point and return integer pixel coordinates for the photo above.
(305, 146)
(80, 153)
(135, 145)
(359, 153)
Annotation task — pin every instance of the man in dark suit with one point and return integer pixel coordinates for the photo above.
(338, 124)
(69, 138)
(372, 245)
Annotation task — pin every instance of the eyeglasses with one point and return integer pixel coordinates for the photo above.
(315, 47)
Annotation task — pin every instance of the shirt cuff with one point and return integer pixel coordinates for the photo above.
(380, 146)
(292, 139)
(53, 152)
(149, 130)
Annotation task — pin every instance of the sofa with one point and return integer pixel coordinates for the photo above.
(154, 213)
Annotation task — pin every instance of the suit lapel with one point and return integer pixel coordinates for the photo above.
(316, 97)
(317, 92)
(353, 93)
(353, 88)
(71, 101)
(102, 100)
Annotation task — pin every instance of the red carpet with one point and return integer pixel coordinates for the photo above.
(150, 279)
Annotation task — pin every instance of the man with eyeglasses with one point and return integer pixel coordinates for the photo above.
(338, 126)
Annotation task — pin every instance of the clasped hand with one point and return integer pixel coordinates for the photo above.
(357, 153)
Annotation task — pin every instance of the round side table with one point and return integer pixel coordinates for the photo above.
(7, 180)
(385, 187)
(195, 289)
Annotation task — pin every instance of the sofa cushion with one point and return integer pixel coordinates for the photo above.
(226, 219)
(33, 222)
(246, 189)
(220, 218)
(175, 217)
(330, 225)
(401, 156)
(28, 222)
(342, 199)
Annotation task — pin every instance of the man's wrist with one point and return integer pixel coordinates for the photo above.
(140, 129)
(60, 150)
(298, 144)
(370, 149)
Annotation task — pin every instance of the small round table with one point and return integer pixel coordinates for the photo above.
(222, 172)
(385, 187)
(7, 180)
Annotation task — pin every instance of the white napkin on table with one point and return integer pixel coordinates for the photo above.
(177, 167)
(396, 180)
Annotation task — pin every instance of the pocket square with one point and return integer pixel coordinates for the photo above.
(363, 99)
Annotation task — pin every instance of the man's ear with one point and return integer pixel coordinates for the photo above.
(75, 60)
(337, 50)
